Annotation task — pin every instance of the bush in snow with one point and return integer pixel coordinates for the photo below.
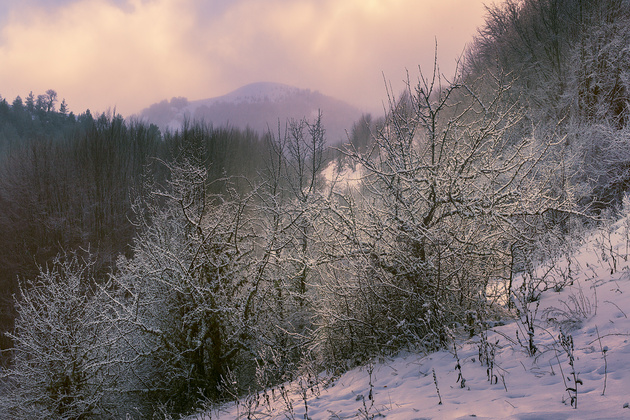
(178, 304)
(448, 184)
(63, 367)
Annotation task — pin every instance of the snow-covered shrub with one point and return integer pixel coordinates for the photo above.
(63, 367)
(179, 303)
(417, 245)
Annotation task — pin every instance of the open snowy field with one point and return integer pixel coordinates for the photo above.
(577, 366)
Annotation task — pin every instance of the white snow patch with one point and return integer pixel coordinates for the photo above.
(344, 177)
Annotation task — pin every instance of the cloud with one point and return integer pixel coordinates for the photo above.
(341, 47)
(100, 54)
(12, 7)
(130, 53)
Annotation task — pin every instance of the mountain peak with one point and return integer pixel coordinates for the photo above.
(255, 93)
(270, 90)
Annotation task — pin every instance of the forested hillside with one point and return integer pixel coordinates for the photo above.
(569, 61)
(68, 182)
(155, 272)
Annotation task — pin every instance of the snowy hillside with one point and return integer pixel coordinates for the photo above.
(252, 93)
(576, 367)
(258, 106)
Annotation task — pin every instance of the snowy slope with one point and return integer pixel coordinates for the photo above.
(594, 312)
(251, 93)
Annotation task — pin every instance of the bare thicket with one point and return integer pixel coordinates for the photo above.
(446, 190)
(64, 365)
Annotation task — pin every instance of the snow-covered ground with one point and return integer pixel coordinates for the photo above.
(593, 311)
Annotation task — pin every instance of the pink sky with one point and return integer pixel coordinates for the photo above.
(128, 54)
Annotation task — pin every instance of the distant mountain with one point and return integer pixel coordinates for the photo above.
(258, 106)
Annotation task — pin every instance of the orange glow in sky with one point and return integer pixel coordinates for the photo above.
(128, 54)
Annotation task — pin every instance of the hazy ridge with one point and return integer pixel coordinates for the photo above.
(258, 106)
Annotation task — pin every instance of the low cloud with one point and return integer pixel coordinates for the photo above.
(128, 54)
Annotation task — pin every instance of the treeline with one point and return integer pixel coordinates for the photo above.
(68, 182)
(105, 198)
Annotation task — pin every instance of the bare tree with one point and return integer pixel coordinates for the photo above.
(50, 100)
(304, 164)
(445, 189)
(287, 205)
(178, 302)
